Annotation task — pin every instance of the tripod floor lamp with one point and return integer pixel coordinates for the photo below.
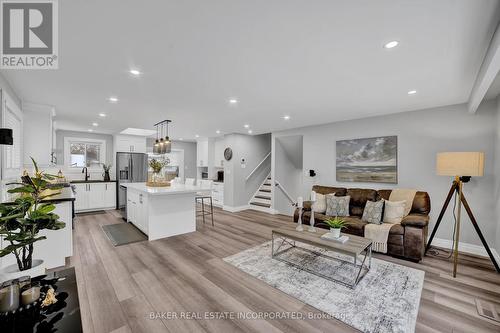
(462, 166)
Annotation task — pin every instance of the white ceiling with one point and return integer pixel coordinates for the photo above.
(317, 61)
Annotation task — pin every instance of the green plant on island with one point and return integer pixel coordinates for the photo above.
(158, 164)
(22, 220)
(336, 223)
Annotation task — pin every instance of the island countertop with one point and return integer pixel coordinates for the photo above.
(171, 190)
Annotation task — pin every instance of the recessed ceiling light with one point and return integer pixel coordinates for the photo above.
(250, 131)
(180, 139)
(90, 130)
(196, 136)
(391, 44)
(412, 92)
(135, 72)
(286, 117)
(95, 124)
(233, 101)
(218, 132)
(246, 126)
(102, 115)
(113, 99)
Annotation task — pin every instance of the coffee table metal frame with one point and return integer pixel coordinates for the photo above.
(287, 239)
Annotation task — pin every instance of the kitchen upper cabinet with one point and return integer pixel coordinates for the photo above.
(130, 144)
(202, 153)
(94, 196)
(220, 145)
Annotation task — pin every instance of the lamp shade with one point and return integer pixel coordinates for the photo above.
(460, 164)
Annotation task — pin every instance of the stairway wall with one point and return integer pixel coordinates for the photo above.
(252, 148)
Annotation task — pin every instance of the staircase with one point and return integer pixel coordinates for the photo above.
(261, 200)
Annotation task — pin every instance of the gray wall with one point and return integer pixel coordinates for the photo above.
(238, 191)
(497, 174)
(61, 134)
(421, 134)
(4, 85)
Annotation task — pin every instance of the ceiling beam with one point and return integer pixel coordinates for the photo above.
(487, 73)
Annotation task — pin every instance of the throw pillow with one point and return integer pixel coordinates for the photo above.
(394, 211)
(319, 205)
(373, 212)
(337, 206)
(400, 194)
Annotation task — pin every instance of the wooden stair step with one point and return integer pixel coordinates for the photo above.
(264, 190)
(267, 184)
(262, 197)
(260, 204)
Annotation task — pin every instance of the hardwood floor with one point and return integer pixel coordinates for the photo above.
(119, 287)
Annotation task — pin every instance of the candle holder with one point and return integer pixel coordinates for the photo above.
(299, 222)
(311, 228)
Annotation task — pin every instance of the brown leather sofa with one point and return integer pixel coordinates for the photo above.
(406, 240)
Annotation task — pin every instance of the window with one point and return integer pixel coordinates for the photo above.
(81, 153)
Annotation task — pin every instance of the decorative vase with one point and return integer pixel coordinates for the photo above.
(12, 271)
(106, 176)
(335, 232)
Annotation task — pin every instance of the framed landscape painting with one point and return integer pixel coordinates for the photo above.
(368, 160)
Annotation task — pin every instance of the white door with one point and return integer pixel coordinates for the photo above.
(81, 200)
(97, 193)
(110, 195)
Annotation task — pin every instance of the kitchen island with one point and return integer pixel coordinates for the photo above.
(161, 212)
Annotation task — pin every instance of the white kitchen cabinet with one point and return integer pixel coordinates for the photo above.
(218, 194)
(95, 196)
(202, 153)
(137, 210)
(220, 145)
(38, 119)
(129, 144)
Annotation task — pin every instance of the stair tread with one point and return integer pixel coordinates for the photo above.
(260, 204)
(262, 197)
(264, 190)
(267, 184)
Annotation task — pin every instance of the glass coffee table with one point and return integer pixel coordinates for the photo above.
(358, 248)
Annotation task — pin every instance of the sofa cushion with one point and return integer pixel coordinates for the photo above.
(359, 197)
(320, 204)
(394, 211)
(415, 220)
(373, 211)
(337, 206)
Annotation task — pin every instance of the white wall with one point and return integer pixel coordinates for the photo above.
(497, 174)
(287, 170)
(421, 134)
(237, 190)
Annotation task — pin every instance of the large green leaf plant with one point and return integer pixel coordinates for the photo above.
(22, 220)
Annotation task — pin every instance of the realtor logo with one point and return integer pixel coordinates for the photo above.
(29, 34)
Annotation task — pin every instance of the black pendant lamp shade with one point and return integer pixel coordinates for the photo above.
(162, 146)
(6, 136)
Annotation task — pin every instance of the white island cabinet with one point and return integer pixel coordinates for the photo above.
(161, 212)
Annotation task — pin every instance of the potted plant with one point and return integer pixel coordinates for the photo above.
(106, 168)
(335, 224)
(22, 221)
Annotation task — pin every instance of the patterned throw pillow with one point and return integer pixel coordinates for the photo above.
(373, 212)
(319, 205)
(394, 211)
(337, 206)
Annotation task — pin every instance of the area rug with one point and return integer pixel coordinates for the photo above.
(385, 300)
(123, 233)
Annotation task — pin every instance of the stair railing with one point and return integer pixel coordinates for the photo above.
(258, 166)
(288, 196)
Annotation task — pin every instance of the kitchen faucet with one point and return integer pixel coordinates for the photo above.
(86, 173)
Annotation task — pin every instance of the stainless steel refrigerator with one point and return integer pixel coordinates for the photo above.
(130, 168)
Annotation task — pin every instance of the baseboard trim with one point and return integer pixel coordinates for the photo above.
(236, 209)
(478, 250)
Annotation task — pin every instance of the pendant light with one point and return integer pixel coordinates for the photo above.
(162, 145)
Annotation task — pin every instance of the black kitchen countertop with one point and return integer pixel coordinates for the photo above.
(91, 181)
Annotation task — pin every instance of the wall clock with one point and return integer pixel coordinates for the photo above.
(228, 154)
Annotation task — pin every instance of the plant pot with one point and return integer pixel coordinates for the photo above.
(106, 176)
(335, 232)
(12, 271)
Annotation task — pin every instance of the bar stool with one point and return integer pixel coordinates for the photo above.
(202, 196)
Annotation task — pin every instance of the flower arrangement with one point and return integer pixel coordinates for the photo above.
(158, 164)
